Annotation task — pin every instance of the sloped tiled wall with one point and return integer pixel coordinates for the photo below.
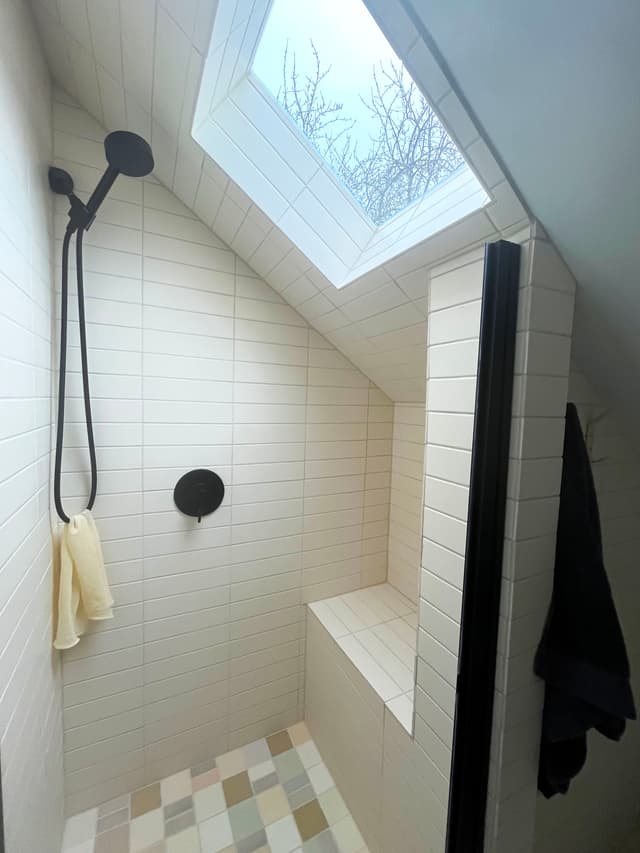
(452, 358)
(196, 362)
(30, 694)
(405, 510)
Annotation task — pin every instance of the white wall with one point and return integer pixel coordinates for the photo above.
(197, 363)
(30, 707)
(455, 295)
(405, 510)
(603, 802)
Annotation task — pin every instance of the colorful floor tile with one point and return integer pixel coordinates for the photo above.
(272, 796)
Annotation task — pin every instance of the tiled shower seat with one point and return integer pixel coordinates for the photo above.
(375, 627)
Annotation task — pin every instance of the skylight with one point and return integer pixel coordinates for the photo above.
(306, 107)
(332, 70)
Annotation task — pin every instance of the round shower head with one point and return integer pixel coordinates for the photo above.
(128, 153)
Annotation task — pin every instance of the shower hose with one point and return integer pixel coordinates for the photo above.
(62, 375)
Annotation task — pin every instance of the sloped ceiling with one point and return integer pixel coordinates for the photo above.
(136, 64)
(555, 87)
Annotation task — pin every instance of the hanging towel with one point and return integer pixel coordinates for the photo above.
(83, 591)
(582, 655)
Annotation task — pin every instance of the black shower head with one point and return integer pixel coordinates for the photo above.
(60, 181)
(128, 154)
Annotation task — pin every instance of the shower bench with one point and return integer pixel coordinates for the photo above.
(359, 682)
(375, 628)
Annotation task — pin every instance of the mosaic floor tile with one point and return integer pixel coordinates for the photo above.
(301, 796)
(79, 828)
(254, 842)
(203, 767)
(178, 807)
(146, 830)
(177, 824)
(310, 820)
(112, 820)
(323, 843)
(245, 819)
(279, 742)
(256, 753)
(270, 796)
(321, 779)
(347, 835)
(113, 841)
(333, 805)
(231, 763)
(309, 754)
(265, 782)
(145, 800)
(215, 833)
(288, 765)
(209, 802)
(262, 769)
(114, 806)
(237, 788)
(187, 841)
(204, 780)
(176, 787)
(299, 734)
(283, 834)
(296, 782)
(273, 805)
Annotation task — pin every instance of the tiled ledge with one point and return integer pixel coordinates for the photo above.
(376, 629)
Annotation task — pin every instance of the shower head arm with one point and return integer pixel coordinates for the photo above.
(100, 193)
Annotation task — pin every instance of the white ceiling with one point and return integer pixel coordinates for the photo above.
(556, 88)
(136, 64)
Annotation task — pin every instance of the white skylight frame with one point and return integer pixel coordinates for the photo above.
(246, 131)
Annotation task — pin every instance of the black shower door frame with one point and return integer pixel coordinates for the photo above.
(484, 551)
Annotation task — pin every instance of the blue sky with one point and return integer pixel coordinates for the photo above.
(346, 37)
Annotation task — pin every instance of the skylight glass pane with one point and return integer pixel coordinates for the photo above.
(332, 70)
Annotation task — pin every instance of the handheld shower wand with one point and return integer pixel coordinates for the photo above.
(127, 154)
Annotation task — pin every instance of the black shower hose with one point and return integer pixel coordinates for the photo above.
(62, 376)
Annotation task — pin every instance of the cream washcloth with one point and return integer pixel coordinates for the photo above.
(83, 591)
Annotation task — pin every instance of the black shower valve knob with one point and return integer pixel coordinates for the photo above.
(198, 493)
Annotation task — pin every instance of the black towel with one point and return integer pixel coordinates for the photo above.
(582, 656)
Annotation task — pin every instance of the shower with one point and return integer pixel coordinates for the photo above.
(126, 154)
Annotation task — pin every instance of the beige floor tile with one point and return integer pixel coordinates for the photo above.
(279, 742)
(299, 733)
(145, 800)
(231, 763)
(310, 820)
(273, 804)
(237, 788)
